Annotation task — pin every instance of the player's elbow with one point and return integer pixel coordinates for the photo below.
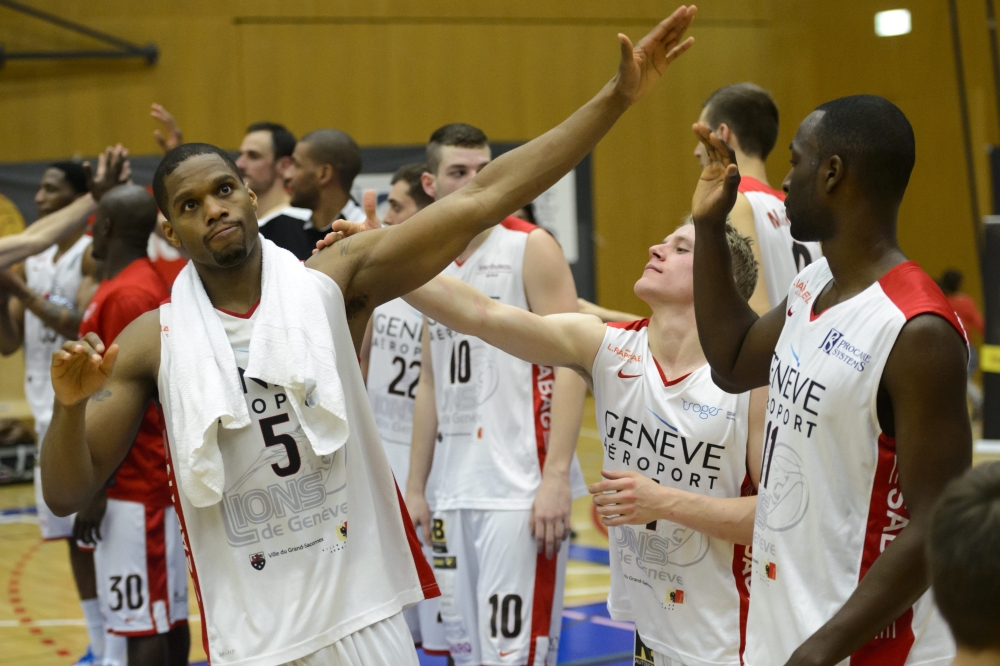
(58, 502)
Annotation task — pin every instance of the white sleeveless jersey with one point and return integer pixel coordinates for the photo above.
(781, 255)
(829, 499)
(277, 573)
(493, 409)
(685, 591)
(393, 372)
(57, 281)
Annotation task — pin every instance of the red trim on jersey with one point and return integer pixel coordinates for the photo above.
(887, 516)
(424, 572)
(436, 653)
(915, 293)
(176, 499)
(663, 376)
(245, 315)
(542, 601)
(742, 563)
(156, 559)
(517, 224)
(636, 325)
(748, 184)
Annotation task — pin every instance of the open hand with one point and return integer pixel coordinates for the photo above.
(173, 137)
(112, 169)
(716, 192)
(342, 229)
(550, 514)
(81, 368)
(628, 498)
(642, 65)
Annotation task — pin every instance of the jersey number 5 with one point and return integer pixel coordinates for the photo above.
(286, 440)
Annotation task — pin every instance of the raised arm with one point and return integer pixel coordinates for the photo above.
(101, 396)
(64, 319)
(738, 344)
(414, 252)
(566, 340)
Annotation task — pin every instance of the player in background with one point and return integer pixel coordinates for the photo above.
(961, 547)
(139, 556)
(324, 165)
(40, 314)
(211, 213)
(390, 363)
(499, 437)
(865, 364)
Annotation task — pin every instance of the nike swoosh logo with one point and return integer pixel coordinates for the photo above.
(789, 312)
(504, 654)
(628, 376)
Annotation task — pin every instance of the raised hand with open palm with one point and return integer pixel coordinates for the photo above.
(642, 65)
(715, 194)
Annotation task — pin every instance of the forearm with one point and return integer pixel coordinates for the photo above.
(568, 393)
(893, 584)
(11, 332)
(45, 232)
(422, 443)
(63, 320)
(727, 518)
(68, 470)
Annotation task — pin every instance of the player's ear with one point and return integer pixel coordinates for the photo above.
(428, 182)
(253, 197)
(170, 234)
(326, 174)
(282, 165)
(726, 134)
(832, 172)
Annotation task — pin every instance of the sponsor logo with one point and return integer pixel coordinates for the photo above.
(675, 596)
(494, 269)
(837, 346)
(784, 499)
(625, 354)
(801, 290)
(445, 562)
(771, 570)
(790, 312)
(257, 561)
(624, 376)
(703, 411)
(342, 531)
(507, 652)
(643, 653)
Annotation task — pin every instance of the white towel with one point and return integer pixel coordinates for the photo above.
(291, 346)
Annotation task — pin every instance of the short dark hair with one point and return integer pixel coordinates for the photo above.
(411, 173)
(74, 173)
(872, 136)
(338, 149)
(454, 134)
(745, 267)
(282, 141)
(962, 551)
(951, 281)
(173, 159)
(750, 112)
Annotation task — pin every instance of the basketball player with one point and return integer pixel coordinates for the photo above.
(505, 465)
(142, 579)
(40, 314)
(390, 363)
(327, 603)
(867, 422)
(961, 553)
(685, 589)
(324, 165)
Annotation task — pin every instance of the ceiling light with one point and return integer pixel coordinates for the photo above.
(893, 22)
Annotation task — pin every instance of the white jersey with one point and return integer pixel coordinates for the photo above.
(393, 372)
(493, 409)
(277, 573)
(56, 281)
(685, 591)
(782, 257)
(829, 500)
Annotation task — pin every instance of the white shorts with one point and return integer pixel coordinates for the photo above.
(424, 620)
(141, 570)
(645, 656)
(385, 642)
(52, 526)
(501, 601)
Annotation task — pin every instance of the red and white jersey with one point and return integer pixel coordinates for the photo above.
(782, 256)
(829, 498)
(685, 591)
(56, 281)
(393, 372)
(277, 573)
(493, 409)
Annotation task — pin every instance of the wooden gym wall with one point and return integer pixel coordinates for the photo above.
(390, 71)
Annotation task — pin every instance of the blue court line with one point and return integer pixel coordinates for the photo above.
(589, 554)
(18, 511)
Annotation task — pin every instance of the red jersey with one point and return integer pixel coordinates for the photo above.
(142, 476)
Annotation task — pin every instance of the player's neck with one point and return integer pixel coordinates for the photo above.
(474, 245)
(331, 202)
(967, 657)
(120, 256)
(862, 251)
(673, 340)
(274, 199)
(234, 288)
(753, 167)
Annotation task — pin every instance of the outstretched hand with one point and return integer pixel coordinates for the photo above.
(81, 368)
(173, 137)
(642, 65)
(113, 169)
(342, 229)
(716, 192)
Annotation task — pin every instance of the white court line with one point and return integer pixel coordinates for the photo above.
(588, 569)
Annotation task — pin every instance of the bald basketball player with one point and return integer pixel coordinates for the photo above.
(865, 363)
(337, 616)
